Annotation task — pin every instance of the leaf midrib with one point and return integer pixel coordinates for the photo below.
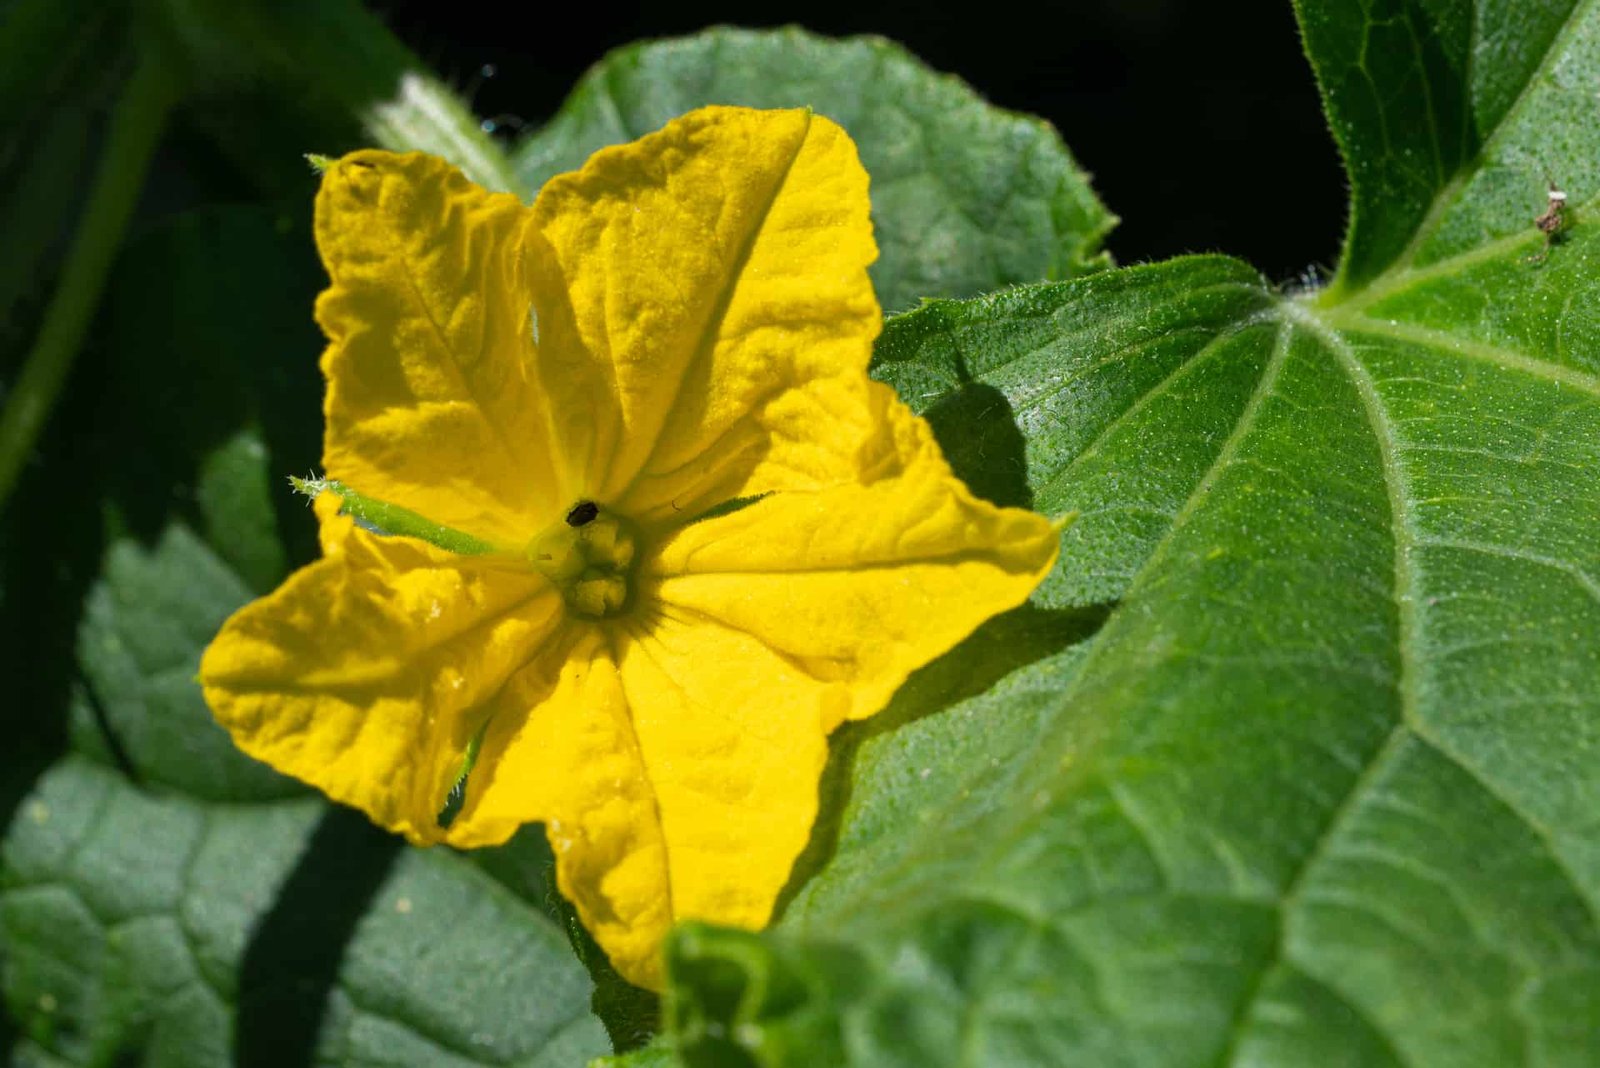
(1328, 327)
(1407, 724)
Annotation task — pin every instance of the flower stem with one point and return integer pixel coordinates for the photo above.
(135, 129)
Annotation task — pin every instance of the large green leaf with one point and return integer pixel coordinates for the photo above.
(966, 198)
(164, 900)
(1323, 789)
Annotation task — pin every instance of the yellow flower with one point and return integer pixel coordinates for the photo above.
(530, 414)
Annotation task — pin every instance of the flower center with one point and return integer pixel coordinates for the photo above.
(588, 556)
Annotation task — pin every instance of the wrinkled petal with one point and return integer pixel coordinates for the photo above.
(686, 320)
(677, 766)
(561, 748)
(429, 403)
(704, 312)
(858, 585)
(677, 776)
(734, 738)
(366, 673)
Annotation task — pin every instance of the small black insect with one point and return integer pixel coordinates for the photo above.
(582, 513)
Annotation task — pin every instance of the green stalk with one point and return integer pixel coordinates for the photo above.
(135, 130)
(391, 520)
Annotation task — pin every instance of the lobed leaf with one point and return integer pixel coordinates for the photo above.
(191, 933)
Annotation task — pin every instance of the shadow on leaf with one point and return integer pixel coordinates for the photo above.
(292, 961)
(1004, 644)
(526, 866)
(977, 429)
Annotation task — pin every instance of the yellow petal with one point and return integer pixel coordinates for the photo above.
(858, 585)
(429, 405)
(703, 303)
(561, 748)
(734, 738)
(366, 674)
(677, 784)
(674, 753)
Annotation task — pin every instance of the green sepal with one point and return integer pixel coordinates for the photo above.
(390, 520)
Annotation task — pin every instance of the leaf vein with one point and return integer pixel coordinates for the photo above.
(1527, 819)
(1589, 584)
(1476, 350)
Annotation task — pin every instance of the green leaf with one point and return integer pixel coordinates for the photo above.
(149, 924)
(1116, 398)
(966, 198)
(143, 626)
(1452, 117)
(165, 900)
(1322, 789)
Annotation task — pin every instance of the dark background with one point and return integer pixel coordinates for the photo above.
(1198, 118)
